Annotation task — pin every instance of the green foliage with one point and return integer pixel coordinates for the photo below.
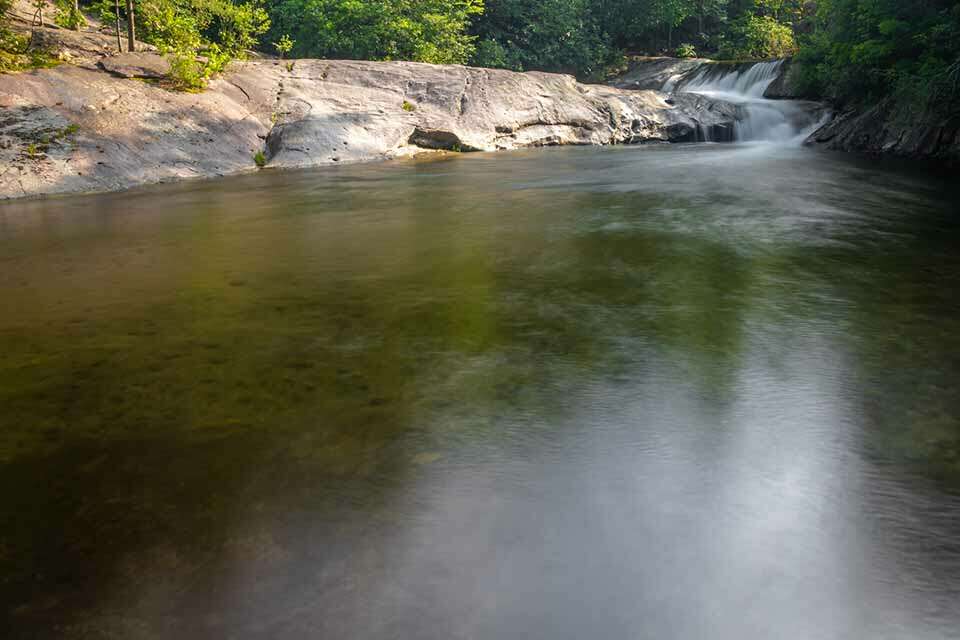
(12, 50)
(756, 37)
(17, 55)
(421, 30)
(198, 37)
(187, 73)
(11, 45)
(587, 37)
(906, 51)
(259, 159)
(549, 35)
(490, 53)
(179, 25)
(408, 106)
(69, 15)
(284, 45)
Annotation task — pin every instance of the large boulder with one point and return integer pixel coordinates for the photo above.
(132, 64)
(348, 111)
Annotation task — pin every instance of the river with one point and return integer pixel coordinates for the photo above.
(693, 391)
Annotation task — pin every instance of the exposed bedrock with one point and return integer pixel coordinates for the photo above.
(112, 126)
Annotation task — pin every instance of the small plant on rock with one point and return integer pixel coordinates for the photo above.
(259, 159)
(686, 50)
(284, 45)
(409, 106)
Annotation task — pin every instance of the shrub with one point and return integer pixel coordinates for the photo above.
(490, 53)
(686, 50)
(69, 15)
(259, 159)
(284, 45)
(186, 72)
(200, 37)
(754, 37)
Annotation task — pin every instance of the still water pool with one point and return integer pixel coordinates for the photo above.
(668, 392)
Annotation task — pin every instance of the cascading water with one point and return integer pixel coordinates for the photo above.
(783, 121)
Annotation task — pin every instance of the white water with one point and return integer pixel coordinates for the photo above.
(780, 121)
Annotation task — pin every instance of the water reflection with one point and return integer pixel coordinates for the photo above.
(664, 392)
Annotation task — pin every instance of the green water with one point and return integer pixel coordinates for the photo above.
(694, 391)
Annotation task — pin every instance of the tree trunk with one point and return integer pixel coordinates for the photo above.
(131, 29)
(76, 12)
(116, 9)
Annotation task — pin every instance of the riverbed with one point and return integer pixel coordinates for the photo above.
(694, 391)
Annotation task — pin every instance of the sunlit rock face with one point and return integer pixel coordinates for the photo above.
(124, 132)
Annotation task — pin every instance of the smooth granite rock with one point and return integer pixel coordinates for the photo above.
(113, 133)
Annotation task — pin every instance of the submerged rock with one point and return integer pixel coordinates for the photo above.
(313, 112)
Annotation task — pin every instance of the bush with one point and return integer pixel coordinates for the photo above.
(69, 16)
(186, 72)
(490, 53)
(686, 50)
(283, 45)
(758, 37)
(200, 37)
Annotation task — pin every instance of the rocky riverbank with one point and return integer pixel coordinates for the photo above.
(102, 123)
(882, 131)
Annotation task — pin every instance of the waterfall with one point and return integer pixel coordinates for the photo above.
(783, 121)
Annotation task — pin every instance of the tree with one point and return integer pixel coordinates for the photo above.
(905, 52)
(131, 27)
(69, 15)
(708, 9)
(422, 30)
(550, 35)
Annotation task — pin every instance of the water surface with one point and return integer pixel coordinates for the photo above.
(661, 392)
